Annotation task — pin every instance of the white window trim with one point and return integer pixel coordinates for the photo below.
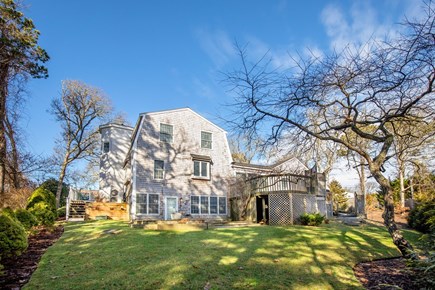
(148, 206)
(166, 203)
(208, 177)
(160, 130)
(154, 170)
(200, 138)
(208, 209)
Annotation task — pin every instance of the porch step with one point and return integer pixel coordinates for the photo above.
(77, 211)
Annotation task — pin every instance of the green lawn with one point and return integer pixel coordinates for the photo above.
(265, 257)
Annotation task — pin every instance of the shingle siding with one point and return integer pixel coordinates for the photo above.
(178, 163)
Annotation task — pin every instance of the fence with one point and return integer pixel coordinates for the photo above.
(285, 208)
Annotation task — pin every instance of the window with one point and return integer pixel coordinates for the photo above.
(153, 201)
(147, 203)
(106, 147)
(213, 205)
(222, 205)
(194, 204)
(206, 141)
(158, 169)
(208, 205)
(204, 204)
(166, 133)
(201, 169)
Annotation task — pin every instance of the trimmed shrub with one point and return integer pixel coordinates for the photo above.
(422, 217)
(43, 213)
(61, 212)
(311, 219)
(13, 238)
(9, 212)
(27, 219)
(42, 195)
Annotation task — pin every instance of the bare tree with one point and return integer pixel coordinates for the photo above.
(79, 109)
(361, 92)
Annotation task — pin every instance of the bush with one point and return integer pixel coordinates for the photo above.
(61, 212)
(43, 213)
(311, 219)
(27, 219)
(42, 195)
(422, 217)
(9, 212)
(13, 238)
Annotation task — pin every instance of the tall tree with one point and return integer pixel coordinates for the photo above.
(339, 198)
(362, 92)
(20, 57)
(79, 109)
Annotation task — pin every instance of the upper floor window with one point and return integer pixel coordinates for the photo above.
(206, 140)
(158, 169)
(201, 169)
(166, 133)
(106, 147)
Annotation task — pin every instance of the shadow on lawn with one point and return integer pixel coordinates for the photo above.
(257, 257)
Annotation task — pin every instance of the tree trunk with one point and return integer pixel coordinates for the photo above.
(3, 96)
(13, 163)
(402, 183)
(60, 182)
(401, 243)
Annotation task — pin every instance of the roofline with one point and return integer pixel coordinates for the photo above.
(179, 110)
(267, 167)
(121, 126)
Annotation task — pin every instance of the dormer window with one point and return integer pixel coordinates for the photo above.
(201, 166)
(106, 147)
(166, 133)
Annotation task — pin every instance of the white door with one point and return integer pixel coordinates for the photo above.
(171, 207)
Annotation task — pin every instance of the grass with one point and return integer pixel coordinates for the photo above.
(266, 257)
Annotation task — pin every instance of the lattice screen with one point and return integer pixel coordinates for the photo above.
(280, 212)
(285, 208)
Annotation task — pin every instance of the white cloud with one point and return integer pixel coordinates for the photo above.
(354, 28)
(217, 45)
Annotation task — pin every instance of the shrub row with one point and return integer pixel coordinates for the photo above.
(311, 219)
(40, 210)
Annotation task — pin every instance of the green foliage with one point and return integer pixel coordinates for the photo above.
(42, 195)
(311, 219)
(51, 185)
(422, 217)
(19, 38)
(13, 238)
(27, 219)
(339, 198)
(425, 268)
(8, 212)
(43, 213)
(61, 211)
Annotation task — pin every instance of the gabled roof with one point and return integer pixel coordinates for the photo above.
(187, 109)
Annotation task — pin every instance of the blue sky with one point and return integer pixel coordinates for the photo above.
(156, 55)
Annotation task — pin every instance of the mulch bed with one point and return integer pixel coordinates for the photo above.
(18, 270)
(385, 274)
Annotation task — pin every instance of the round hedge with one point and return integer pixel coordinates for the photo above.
(13, 238)
(61, 212)
(42, 195)
(43, 213)
(27, 219)
(9, 212)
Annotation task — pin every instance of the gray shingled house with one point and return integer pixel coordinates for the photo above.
(175, 164)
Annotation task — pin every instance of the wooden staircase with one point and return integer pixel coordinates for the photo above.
(77, 211)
